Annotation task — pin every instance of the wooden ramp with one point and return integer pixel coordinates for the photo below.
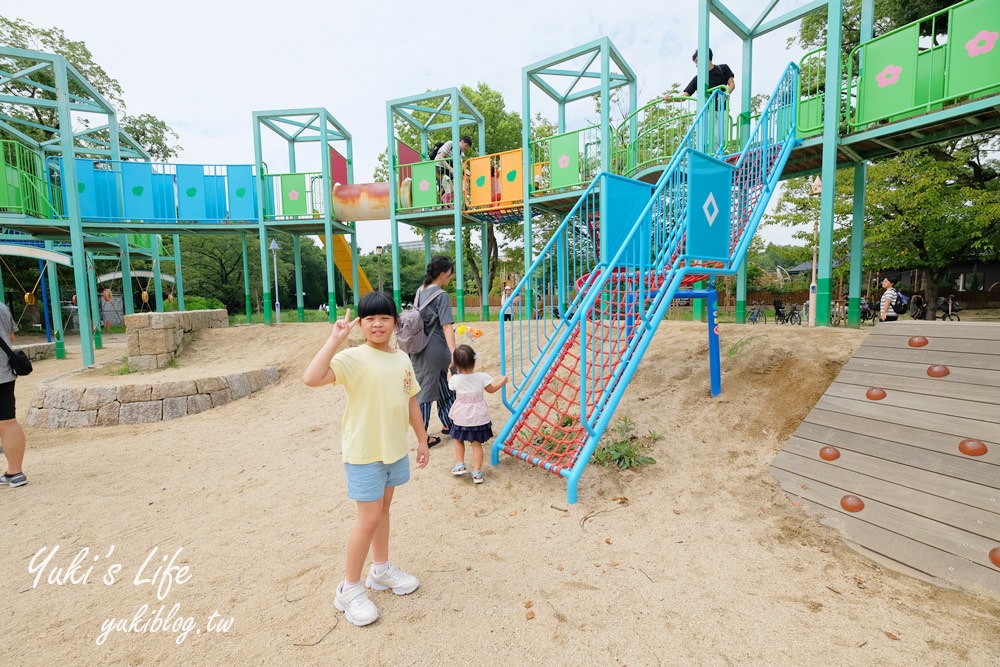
(929, 509)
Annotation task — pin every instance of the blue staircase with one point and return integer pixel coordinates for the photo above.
(588, 307)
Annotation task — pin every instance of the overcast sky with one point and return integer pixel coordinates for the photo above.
(204, 67)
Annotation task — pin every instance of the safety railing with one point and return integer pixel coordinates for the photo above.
(427, 185)
(582, 372)
(950, 55)
(650, 136)
(122, 190)
(567, 160)
(812, 83)
(23, 187)
(494, 182)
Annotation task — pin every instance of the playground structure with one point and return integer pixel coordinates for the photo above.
(666, 199)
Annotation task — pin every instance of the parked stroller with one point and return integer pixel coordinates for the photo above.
(918, 307)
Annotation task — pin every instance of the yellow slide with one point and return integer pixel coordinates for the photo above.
(342, 258)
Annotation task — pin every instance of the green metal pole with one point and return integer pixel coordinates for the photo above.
(456, 162)
(393, 200)
(299, 304)
(858, 221)
(831, 137)
(246, 280)
(157, 273)
(697, 305)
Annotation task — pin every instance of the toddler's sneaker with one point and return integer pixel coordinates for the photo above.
(392, 577)
(13, 481)
(354, 602)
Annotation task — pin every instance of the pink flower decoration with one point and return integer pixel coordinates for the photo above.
(888, 76)
(981, 43)
(423, 186)
(564, 162)
(293, 195)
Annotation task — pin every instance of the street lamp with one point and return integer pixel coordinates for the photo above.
(378, 251)
(817, 190)
(274, 260)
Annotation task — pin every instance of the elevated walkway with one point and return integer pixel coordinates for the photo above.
(931, 501)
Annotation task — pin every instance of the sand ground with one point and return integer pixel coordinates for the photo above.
(697, 560)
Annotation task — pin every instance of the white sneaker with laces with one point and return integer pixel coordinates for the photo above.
(354, 602)
(393, 578)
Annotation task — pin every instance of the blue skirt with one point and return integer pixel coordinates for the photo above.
(478, 434)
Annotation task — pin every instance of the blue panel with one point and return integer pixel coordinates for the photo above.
(710, 187)
(108, 197)
(621, 202)
(242, 192)
(164, 202)
(137, 183)
(215, 198)
(191, 192)
(85, 189)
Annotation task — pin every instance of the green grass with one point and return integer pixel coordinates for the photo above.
(623, 447)
(120, 369)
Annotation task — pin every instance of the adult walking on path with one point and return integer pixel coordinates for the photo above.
(432, 364)
(11, 433)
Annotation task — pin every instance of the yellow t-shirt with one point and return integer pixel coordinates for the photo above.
(379, 386)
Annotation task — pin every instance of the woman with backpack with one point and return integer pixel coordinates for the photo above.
(886, 312)
(431, 365)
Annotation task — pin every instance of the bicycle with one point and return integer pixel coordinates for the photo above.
(757, 313)
(950, 308)
(836, 313)
(781, 317)
(868, 313)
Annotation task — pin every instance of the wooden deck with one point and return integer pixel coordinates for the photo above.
(929, 510)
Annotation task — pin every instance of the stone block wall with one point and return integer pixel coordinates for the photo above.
(54, 406)
(154, 339)
(36, 351)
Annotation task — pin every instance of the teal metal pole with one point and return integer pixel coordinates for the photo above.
(157, 273)
(73, 212)
(831, 137)
(484, 272)
(246, 280)
(55, 302)
(265, 279)
(857, 246)
(393, 200)
(704, 143)
(92, 298)
(127, 302)
(297, 251)
(178, 276)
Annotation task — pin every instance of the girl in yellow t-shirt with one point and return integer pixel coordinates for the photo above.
(381, 400)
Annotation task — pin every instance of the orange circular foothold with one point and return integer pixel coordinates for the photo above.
(995, 556)
(971, 447)
(917, 341)
(829, 453)
(875, 394)
(852, 503)
(938, 371)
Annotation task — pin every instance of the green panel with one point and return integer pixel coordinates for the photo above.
(889, 76)
(4, 196)
(973, 48)
(810, 120)
(564, 160)
(930, 76)
(293, 195)
(11, 189)
(423, 191)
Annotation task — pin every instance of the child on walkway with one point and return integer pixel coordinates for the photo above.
(470, 415)
(381, 400)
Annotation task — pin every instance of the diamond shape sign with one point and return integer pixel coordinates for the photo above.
(710, 208)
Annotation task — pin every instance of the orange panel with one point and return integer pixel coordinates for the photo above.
(479, 181)
(511, 179)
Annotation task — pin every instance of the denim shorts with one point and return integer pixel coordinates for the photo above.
(368, 482)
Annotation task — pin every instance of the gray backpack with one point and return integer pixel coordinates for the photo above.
(411, 335)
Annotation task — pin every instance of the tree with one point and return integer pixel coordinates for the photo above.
(154, 135)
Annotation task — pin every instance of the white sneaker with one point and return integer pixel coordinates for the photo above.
(392, 577)
(354, 602)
